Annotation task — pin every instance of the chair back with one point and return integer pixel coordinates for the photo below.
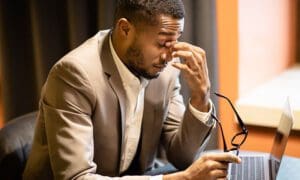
(15, 144)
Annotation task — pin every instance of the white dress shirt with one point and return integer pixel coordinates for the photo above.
(135, 89)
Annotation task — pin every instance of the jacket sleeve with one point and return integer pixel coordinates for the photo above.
(184, 136)
(67, 104)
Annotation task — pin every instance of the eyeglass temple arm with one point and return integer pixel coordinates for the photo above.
(235, 111)
(223, 136)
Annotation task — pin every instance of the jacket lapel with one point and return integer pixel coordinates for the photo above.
(114, 79)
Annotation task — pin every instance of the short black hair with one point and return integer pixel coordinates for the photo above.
(147, 11)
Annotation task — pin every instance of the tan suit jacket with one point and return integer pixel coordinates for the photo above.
(80, 124)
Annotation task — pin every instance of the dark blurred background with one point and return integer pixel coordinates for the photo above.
(35, 34)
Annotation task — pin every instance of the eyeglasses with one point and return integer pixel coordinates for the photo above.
(239, 138)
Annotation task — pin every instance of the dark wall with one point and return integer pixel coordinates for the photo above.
(35, 34)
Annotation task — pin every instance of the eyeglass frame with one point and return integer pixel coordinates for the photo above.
(244, 130)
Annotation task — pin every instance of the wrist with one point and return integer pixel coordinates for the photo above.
(201, 104)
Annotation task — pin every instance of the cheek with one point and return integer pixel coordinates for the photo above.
(152, 54)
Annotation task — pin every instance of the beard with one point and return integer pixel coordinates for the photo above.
(135, 62)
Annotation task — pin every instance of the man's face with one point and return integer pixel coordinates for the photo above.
(149, 52)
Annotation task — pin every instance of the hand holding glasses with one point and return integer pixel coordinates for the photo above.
(239, 138)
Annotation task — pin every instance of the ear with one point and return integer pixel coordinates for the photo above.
(124, 27)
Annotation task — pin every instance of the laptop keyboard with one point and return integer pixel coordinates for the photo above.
(251, 168)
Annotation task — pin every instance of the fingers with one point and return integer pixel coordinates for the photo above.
(224, 178)
(183, 54)
(218, 163)
(213, 165)
(218, 173)
(179, 47)
(183, 67)
(195, 72)
(223, 157)
(187, 47)
(193, 56)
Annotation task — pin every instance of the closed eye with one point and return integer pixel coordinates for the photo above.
(161, 45)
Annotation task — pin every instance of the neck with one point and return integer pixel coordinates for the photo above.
(118, 46)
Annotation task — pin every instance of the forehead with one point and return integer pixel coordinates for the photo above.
(169, 26)
(166, 28)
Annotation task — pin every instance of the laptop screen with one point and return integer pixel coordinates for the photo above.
(283, 131)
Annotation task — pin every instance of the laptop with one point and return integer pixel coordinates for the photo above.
(265, 166)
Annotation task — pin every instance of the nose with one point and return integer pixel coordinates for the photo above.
(166, 55)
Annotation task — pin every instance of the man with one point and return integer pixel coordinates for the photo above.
(107, 105)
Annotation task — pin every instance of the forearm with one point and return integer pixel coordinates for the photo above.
(185, 141)
(184, 132)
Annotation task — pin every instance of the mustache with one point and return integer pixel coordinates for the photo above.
(161, 65)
